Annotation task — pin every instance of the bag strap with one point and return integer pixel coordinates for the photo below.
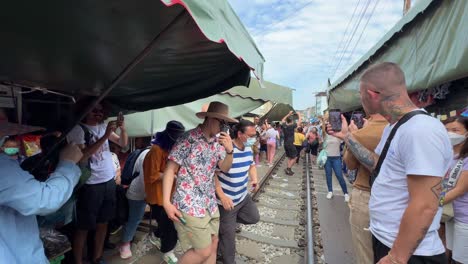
(455, 174)
(450, 180)
(400, 122)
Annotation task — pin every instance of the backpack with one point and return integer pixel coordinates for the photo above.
(128, 175)
(85, 166)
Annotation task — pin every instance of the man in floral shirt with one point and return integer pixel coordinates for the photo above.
(192, 162)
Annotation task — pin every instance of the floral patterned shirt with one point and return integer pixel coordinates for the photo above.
(198, 158)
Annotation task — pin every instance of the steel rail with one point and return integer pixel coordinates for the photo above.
(310, 232)
(267, 176)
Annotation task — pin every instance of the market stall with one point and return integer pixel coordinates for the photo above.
(430, 45)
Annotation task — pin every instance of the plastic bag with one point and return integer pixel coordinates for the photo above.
(55, 243)
(322, 158)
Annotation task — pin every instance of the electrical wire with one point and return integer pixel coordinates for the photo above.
(362, 32)
(351, 38)
(332, 62)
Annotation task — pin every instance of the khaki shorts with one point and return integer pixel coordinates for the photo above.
(197, 232)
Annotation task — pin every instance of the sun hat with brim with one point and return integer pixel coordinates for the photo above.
(173, 129)
(217, 110)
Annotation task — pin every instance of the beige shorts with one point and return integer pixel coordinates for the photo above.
(197, 232)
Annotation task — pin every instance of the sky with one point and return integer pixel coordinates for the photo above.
(305, 42)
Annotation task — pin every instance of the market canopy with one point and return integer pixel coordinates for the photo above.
(429, 43)
(270, 92)
(240, 99)
(155, 53)
(277, 112)
(149, 122)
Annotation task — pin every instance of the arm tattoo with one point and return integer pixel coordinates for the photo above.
(365, 156)
(437, 189)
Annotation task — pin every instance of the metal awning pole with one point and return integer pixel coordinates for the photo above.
(128, 68)
(114, 83)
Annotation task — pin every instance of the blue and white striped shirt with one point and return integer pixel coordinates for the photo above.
(235, 182)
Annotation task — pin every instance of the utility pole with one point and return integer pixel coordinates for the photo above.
(406, 6)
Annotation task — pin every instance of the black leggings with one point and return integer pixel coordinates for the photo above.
(166, 230)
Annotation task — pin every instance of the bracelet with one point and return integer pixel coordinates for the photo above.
(392, 259)
(230, 153)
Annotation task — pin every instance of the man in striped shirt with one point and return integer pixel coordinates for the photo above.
(232, 189)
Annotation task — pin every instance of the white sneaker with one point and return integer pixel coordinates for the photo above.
(125, 251)
(156, 241)
(329, 195)
(346, 198)
(170, 258)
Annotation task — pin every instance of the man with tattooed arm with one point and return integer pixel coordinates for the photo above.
(404, 204)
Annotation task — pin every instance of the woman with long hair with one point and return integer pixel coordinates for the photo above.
(456, 182)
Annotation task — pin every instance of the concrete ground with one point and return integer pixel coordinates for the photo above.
(334, 220)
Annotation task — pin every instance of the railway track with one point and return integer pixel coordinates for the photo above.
(281, 234)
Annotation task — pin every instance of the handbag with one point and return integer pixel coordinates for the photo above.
(450, 180)
(382, 156)
(322, 156)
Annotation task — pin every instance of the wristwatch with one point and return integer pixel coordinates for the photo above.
(230, 153)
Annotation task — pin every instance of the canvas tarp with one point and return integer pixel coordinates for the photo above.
(190, 49)
(270, 92)
(430, 43)
(148, 122)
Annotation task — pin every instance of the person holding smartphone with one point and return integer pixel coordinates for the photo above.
(406, 186)
(97, 197)
(232, 189)
(194, 159)
(369, 136)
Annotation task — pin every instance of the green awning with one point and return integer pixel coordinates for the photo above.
(277, 112)
(271, 92)
(148, 122)
(191, 49)
(430, 43)
(241, 100)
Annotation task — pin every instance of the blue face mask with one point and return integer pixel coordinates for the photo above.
(11, 151)
(250, 142)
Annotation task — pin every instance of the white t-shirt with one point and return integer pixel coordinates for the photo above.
(102, 165)
(333, 146)
(420, 147)
(136, 190)
(271, 133)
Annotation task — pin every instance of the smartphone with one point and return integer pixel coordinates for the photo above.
(182, 220)
(225, 128)
(120, 117)
(358, 118)
(334, 118)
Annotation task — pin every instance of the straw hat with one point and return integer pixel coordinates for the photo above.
(217, 110)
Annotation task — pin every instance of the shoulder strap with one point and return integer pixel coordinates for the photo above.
(400, 122)
(87, 134)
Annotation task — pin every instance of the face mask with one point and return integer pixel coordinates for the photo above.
(11, 151)
(250, 142)
(455, 138)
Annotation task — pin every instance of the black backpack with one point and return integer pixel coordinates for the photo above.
(128, 175)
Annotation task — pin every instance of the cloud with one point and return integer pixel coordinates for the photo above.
(299, 38)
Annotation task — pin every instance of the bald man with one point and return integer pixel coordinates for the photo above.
(404, 204)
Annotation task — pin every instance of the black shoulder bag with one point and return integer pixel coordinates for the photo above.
(400, 122)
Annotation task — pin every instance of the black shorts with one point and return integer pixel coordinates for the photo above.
(291, 151)
(263, 147)
(96, 204)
